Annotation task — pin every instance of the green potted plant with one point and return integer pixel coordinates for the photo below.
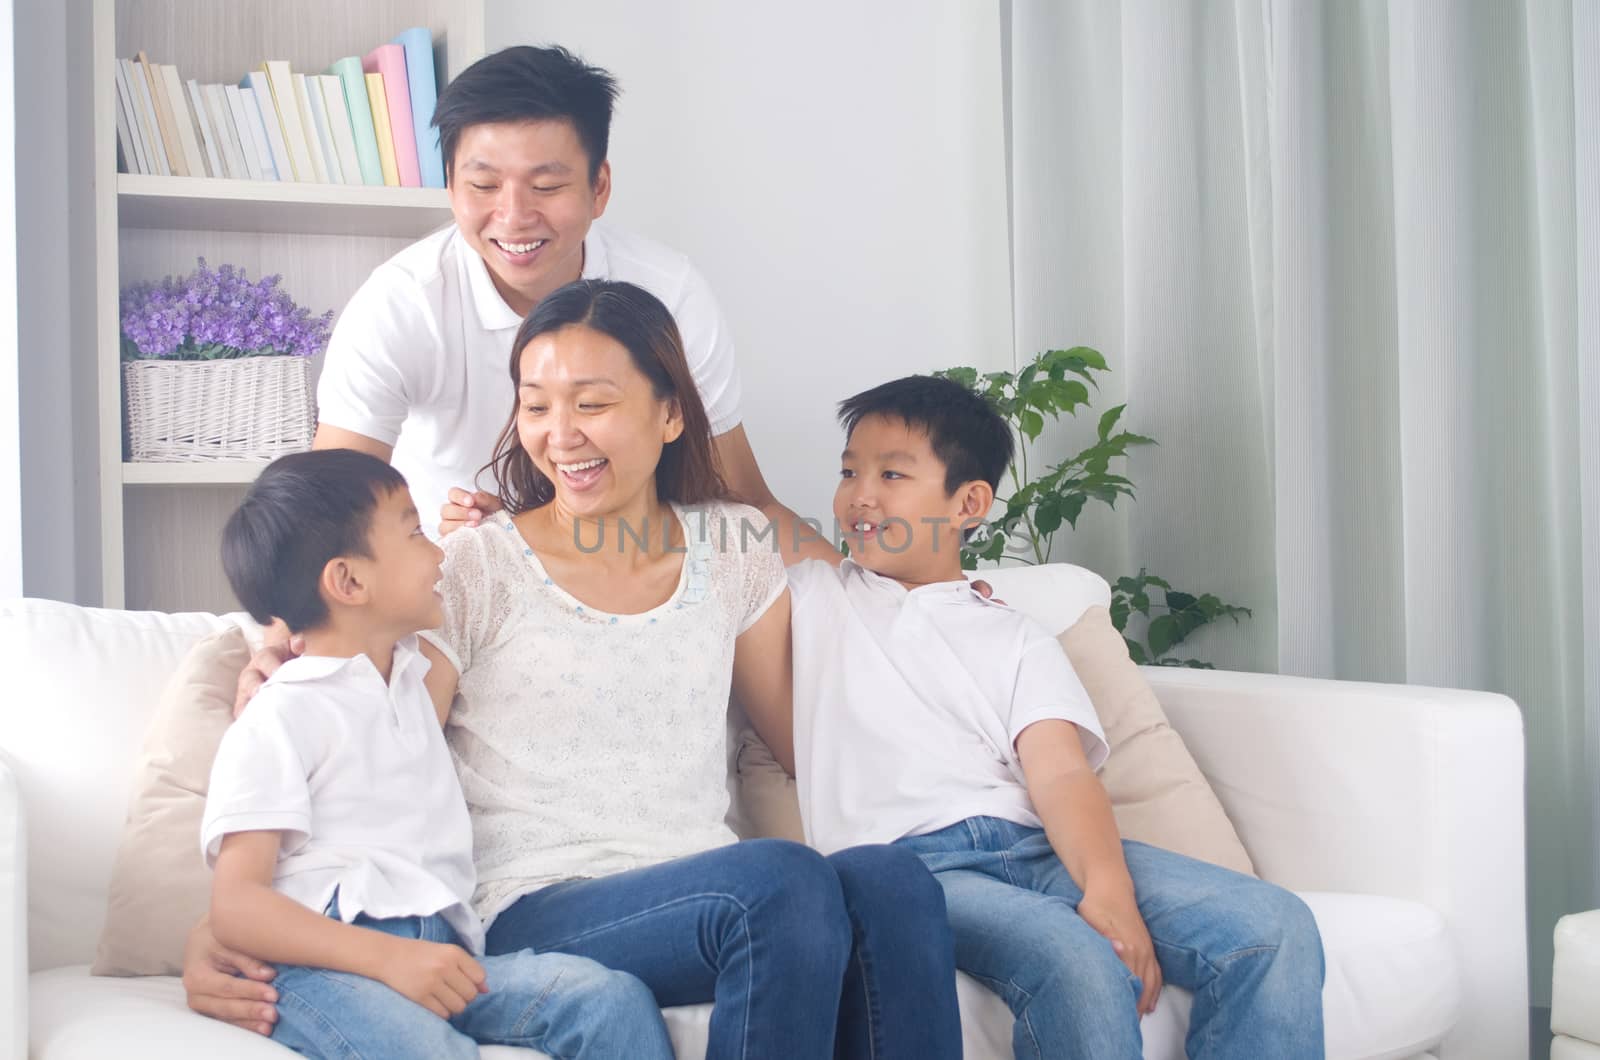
(1153, 617)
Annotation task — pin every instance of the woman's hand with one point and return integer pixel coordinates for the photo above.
(226, 985)
(466, 509)
(1115, 914)
(442, 978)
(264, 663)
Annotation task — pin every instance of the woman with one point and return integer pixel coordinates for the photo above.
(593, 630)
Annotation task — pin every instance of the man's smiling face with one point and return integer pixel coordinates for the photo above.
(522, 197)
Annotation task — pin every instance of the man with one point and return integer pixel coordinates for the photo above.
(417, 369)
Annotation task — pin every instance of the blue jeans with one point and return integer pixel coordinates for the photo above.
(805, 957)
(561, 1005)
(1248, 950)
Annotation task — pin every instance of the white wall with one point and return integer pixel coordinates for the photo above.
(838, 173)
(10, 434)
(55, 291)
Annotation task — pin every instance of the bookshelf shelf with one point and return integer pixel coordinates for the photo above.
(217, 205)
(197, 473)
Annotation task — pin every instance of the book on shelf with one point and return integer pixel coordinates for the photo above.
(358, 108)
(389, 61)
(197, 108)
(380, 128)
(421, 79)
(339, 131)
(269, 140)
(155, 149)
(275, 95)
(163, 113)
(227, 135)
(182, 120)
(310, 96)
(257, 159)
(137, 159)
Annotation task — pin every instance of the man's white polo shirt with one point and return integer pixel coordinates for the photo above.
(420, 358)
(357, 776)
(908, 705)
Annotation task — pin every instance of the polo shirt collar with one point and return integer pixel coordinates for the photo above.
(321, 667)
(959, 590)
(493, 312)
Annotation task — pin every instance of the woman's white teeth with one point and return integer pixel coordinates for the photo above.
(865, 527)
(581, 466)
(520, 248)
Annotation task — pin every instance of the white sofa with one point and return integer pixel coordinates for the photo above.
(1395, 811)
(1575, 988)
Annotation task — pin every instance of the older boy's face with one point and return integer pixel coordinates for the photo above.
(892, 506)
(522, 197)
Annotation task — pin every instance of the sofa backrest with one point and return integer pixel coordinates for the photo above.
(83, 683)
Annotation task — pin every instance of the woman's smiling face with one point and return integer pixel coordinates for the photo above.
(591, 422)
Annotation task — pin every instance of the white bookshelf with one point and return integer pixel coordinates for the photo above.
(161, 522)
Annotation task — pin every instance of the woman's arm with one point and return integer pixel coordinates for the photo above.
(246, 913)
(763, 679)
(441, 679)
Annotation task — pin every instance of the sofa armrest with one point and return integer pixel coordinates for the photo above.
(1394, 790)
(13, 916)
(1575, 983)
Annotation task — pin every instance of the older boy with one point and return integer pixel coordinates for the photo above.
(334, 822)
(927, 715)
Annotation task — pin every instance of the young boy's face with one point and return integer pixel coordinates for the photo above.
(892, 506)
(404, 569)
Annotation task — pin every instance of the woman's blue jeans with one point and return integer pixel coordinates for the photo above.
(805, 957)
(1249, 950)
(562, 1005)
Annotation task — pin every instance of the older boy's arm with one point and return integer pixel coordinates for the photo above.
(247, 914)
(1076, 813)
(763, 679)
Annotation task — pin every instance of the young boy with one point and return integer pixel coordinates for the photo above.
(336, 828)
(929, 716)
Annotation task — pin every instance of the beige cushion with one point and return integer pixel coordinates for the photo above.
(1157, 792)
(160, 885)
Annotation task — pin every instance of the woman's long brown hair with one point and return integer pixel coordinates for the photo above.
(636, 319)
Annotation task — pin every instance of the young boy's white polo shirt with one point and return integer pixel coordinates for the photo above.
(357, 776)
(908, 705)
(420, 358)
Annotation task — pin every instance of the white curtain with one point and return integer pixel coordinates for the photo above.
(1344, 259)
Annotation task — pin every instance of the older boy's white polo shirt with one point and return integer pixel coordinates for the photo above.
(356, 775)
(908, 705)
(420, 358)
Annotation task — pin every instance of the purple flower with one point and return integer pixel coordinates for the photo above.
(214, 314)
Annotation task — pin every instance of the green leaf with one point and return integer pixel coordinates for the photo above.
(1047, 517)
(1179, 601)
(1163, 635)
(1119, 613)
(1136, 652)
(1030, 423)
(1109, 420)
(1072, 507)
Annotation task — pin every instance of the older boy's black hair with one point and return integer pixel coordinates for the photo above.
(967, 435)
(304, 510)
(525, 83)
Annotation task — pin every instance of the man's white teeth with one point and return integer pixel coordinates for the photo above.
(520, 248)
(581, 466)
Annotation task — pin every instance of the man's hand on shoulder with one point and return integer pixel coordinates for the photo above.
(466, 508)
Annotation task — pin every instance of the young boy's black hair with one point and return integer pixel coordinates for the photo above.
(525, 83)
(965, 432)
(304, 510)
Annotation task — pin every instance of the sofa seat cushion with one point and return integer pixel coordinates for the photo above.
(1379, 951)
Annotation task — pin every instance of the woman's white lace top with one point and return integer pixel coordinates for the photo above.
(589, 743)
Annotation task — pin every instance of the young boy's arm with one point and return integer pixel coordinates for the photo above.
(248, 915)
(1076, 814)
(441, 679)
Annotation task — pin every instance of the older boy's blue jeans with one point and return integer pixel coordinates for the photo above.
(561, 1005)
(1248, 950)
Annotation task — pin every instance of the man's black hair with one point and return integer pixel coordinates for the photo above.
(525, 83)
(304, 510)
(966, 433)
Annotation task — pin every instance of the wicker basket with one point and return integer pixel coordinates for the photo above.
(245, 408)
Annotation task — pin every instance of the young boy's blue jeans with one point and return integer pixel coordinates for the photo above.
(561, 1005)
(1248, 950)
